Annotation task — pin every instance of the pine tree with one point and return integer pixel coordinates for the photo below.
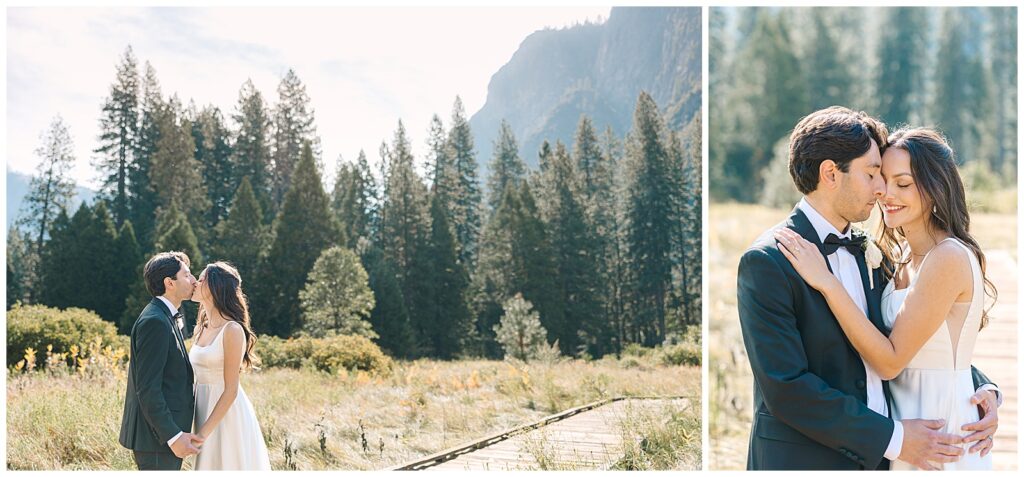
(575, 252)
(213, 151)
(901, 62)
(467, 198)
(506, 166)
(337, 299)
(144, 200)
(251, 150)
(174, 233)
(22, 266)
(119, 134)
(175, 173)
(404, 208)
(961, 97)
(520, 333)
(242, 237)
(353, 200)
(650, 210)
(293, 126)
(389, 318)
(303, 228)
(1004, 95)
(444, 316)
(62, 255)
(50, 190)
(828, 81)
(128, 263)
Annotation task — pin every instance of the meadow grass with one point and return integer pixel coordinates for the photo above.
(731, 229)
(312, 420)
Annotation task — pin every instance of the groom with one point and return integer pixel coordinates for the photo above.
(160, 401)
(817, 404)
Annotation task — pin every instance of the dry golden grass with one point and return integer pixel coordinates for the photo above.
(314, 421)
(732, 228)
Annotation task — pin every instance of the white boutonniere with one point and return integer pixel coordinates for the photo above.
(873, 256)
(181, 323)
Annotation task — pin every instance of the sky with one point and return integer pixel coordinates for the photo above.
(364, 68)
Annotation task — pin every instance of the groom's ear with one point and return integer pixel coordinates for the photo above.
(827, 174)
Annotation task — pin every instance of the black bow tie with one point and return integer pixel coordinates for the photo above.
(853, 245)
(178, 316)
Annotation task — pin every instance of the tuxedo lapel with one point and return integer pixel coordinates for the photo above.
(174, 329)
(799, 223)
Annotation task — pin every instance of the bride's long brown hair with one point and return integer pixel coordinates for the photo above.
(225, 285)
(933, 164)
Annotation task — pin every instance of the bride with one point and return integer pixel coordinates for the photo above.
(223, 343)
(934, 302)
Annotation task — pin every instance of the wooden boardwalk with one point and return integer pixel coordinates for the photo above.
(996, 354)
(583, 438)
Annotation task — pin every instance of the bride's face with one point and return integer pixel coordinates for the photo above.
(902, 203)
(202, 289)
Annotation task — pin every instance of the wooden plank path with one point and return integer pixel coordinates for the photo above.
(581, 438)
(995, 354)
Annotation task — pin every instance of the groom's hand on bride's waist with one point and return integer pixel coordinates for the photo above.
(924, 444)
(985, 429)
(187, 444)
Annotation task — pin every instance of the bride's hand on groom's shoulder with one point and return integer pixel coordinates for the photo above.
(806, 259)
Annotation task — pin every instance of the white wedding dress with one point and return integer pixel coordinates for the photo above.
(937, 383)
(237, 442)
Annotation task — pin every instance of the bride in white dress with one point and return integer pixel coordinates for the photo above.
(934, 303)
(221, 346)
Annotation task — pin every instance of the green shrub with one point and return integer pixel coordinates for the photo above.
(37, 326)
(685, 353)
(330, 354)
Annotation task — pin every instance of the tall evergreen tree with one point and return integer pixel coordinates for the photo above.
(353, 200)
(404, 208)
(242, 237)
(1003, 54)
(144, 200)
(389, 318)
(902, 55)
(50, 190)
(293, 126)
(828, 81)
(443, 316)
(58, 287)
(119, 134)
(303, 228)
(128, 262)
(213, 151)
(174, 233)
(506, 166)
(468, 197)
(961, 98)
(575, 252)
(175, 173)
(650, 210)
(251, 149)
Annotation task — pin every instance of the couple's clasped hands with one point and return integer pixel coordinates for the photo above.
(924, 445)
(187, 444)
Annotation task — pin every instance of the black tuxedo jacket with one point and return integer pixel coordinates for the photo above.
(810, 392)
(160, 400)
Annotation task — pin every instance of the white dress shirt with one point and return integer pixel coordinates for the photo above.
(845, 268)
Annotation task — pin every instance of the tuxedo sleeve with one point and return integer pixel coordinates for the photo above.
(793, 394)
(152, 344)
(980, 380)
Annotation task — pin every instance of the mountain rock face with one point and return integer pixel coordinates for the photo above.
(598, 70)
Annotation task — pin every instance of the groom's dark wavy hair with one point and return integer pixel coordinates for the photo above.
(933, 165)
(834, 133)
(225, 285)
(160, 266)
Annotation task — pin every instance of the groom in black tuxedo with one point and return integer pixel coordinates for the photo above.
(160, 402)
(817, 404)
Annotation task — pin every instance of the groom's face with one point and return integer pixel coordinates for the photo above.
(860, 186)
(184, 283)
